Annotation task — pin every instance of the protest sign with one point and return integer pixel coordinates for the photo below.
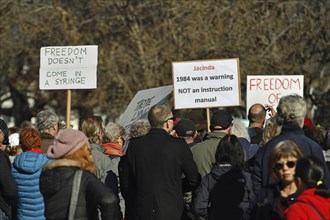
(268, 89)
(68, 67)
(208, 83)
(140, 105)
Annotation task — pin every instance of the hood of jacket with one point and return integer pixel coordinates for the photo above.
(214, 135)
(219, 169)
(57, 174)
(30, 162)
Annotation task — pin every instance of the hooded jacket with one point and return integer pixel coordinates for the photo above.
(26, 171)
(225, 193)
(202, 194)
(56, 186)
(309, 206)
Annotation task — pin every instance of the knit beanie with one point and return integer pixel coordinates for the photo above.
(66, 142)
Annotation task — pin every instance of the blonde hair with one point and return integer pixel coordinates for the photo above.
(271, 130)
(92, 128)
(84, 156)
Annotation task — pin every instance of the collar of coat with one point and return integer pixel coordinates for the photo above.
(62, 163)
(214, 135)
(46, 135)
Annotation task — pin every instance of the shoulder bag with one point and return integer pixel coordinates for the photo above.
(75, 193)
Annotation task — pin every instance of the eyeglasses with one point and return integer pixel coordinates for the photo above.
(289, 164)
(171, 118)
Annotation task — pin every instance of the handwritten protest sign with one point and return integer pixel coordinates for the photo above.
(203, 84)
(140, 105)
(268, 89)
(68, 67)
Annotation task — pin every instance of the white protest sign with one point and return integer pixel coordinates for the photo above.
(204, 84)
(68, 67)
(140, 105)
(268, 89)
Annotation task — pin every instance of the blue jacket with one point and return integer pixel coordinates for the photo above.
(26, 172)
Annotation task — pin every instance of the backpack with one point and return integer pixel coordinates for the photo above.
(231, 196)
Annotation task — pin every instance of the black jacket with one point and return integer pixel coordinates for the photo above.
(268, 204)
(224, 193)
(56, 185)
(294, 133)
(8, 187)
(156, 163)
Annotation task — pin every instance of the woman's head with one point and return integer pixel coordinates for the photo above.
(29, 138)
(230, 151)
(93, 129)
(309, 172)
(282, 161)
(114, 132)
(72, 144)
(139, 128)
(84, 156)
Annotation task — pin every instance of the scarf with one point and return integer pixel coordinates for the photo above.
(113, 149)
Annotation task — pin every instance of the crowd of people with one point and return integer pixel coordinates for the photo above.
(275, 168)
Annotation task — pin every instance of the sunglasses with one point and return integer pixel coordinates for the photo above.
(289, 164)
(172, 118)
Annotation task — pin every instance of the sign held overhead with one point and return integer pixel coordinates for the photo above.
(268, 89)
(68, 67)
(204, 84)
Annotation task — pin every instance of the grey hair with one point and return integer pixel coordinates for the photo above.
(45, 120)
(139, 128)
(113, 131)
(291, 110)
(239, 129)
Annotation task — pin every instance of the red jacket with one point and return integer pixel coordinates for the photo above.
(306, 205)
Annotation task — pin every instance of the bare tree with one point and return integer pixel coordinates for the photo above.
(138, 40)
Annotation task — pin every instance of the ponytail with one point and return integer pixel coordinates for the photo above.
(311, 171)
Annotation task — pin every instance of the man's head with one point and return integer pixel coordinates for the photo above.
(291, 110)
(160, 116)
(185, 128)
(257, 115)
(47, 122)
(221, 121)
